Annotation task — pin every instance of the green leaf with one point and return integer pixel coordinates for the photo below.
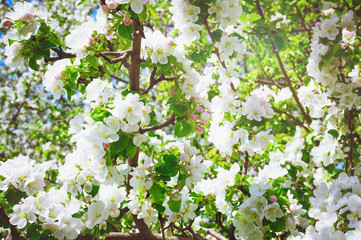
(92, 61)
(170, 158)
(120, 145)
(216, 35)
(131, 150)
(94, 190)
(14, 197)
(47, 44)
(33, 232)
(74, 77)
(280, 41)
(32, 64)
(175, 206)
(333, 132)
(126, 31)
(182, 129)
(179, 109)
(279, 225)
(159, 207)
(195, 57)
(167, 167)
(157, 193)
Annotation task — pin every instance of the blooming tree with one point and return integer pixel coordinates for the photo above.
(184, 119)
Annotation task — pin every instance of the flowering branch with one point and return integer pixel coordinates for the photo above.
(61, 55)
(274, 49)
(169, 121)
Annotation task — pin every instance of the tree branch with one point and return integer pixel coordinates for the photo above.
(274, 49)
(61, 55)
(169, 121)
(14, 232)
(153, 81)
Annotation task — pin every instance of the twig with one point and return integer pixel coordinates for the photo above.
(216, 235)
(119, 79)
(153, 81)
(294, 118)
(169, 121)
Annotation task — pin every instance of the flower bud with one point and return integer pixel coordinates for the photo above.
(177, 187)
(303, 223)
(273, 198)
(289, 221)
(184, 158)
(5, 233)
(6, 22)
(206, 115)
(127, 21)
(112, 4)
(58, 77)
(186, 3)
(357, 45)
(189, 168)
(318, 24)
(199, 109)
(176, 197)
(170, 43)
(106, 146)
(193, 117)
(199, 129)
(137, 211)
(343, 45)
(104, 8)
(172, 92)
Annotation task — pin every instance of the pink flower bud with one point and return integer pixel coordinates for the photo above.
(343, 45)
(6, 22)
(357, 45)
(127, 21)
(273, 198)
(189, 168)
(318, 24)
(91, 39)
(193, 117)
(106, 146)
(170, 43)
(58, 77)
(147, 2)
(292, 207)
(112, 4)
(199, 109)
(137, 211)
(186, 3)
(184, 158)
(172, 92)
(199, 129)
(21, 202)
(177, 186)
(176, 197)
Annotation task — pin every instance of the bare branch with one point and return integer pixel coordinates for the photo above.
(153, 81)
